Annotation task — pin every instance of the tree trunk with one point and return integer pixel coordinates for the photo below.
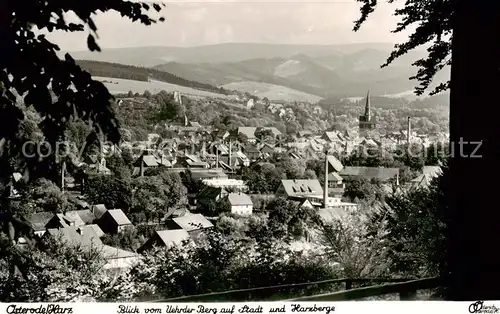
(473, 224)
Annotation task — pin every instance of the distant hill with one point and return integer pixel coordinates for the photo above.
(220, 53)
(327, 71)
(335, 76)
(114, 70)
(123, 86)
(272, 92)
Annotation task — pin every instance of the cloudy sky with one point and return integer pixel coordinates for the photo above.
(205, 22)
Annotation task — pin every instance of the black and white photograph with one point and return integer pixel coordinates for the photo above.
(188, 152)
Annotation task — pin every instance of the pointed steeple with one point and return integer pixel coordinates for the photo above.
(368, 106)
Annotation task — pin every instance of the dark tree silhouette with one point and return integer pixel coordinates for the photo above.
(466, 29)
(434, 26)
(58, 89)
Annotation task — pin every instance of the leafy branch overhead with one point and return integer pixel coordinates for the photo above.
(30, 66)
(433, 26)
(56, 89)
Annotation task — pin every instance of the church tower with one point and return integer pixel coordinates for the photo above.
(367, 121)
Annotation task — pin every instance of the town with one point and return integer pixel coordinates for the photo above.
(279, 153)
(176, 186)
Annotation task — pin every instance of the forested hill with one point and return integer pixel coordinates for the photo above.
(122, 71)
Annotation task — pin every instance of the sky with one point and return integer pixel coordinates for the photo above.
(204, 22)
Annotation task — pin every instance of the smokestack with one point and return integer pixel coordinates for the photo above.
(63, 174)
(142, 165)
(325, 192)
(408, 131)
(216, 157)
(345, 149)
(230, 151)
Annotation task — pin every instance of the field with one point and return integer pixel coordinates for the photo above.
(272, 92)
(408, 95)
(118, 86)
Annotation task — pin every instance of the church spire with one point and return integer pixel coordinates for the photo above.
(368, 106)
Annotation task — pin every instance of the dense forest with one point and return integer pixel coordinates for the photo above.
(115, 70)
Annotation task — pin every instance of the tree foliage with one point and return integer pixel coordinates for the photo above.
(57, 89)
(225, 263)
(108, 190)
(43, 196)
(121, 71)
(416, 221)
(357, 246)
(361, 189)
(433, 25)
(169, 109)
(154, 196)
(50, 280)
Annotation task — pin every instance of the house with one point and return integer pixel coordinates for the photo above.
(369, 143)
(73, 236)
(230, 184)
(250, 103)
(336, 186)
(425, 179)
(99, 168)
(230, 163)
(38, 222)
(114, 221)
(219, 148)
(98, 210)
(240, 203)
(331, 137)
(334, 203)
(350, 135)
(248, 131)
(84, 215)
(95, 229)
(299, 189)
(118, 259)
(59, 221)
(242, 158)
(294, 155)
(194, 224)
(274, 131)
(197, 164)
(165, 239)
(304, 134)
(153, 138)
(251, 152)
(267, 149)
(163, 160)
(176, 212)
(202, 174)
(306, 204)
(209, 196)
(144, 162)
(195, 124)
(191, 161)
(335, 163)
(192, 158)
(381, 174)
